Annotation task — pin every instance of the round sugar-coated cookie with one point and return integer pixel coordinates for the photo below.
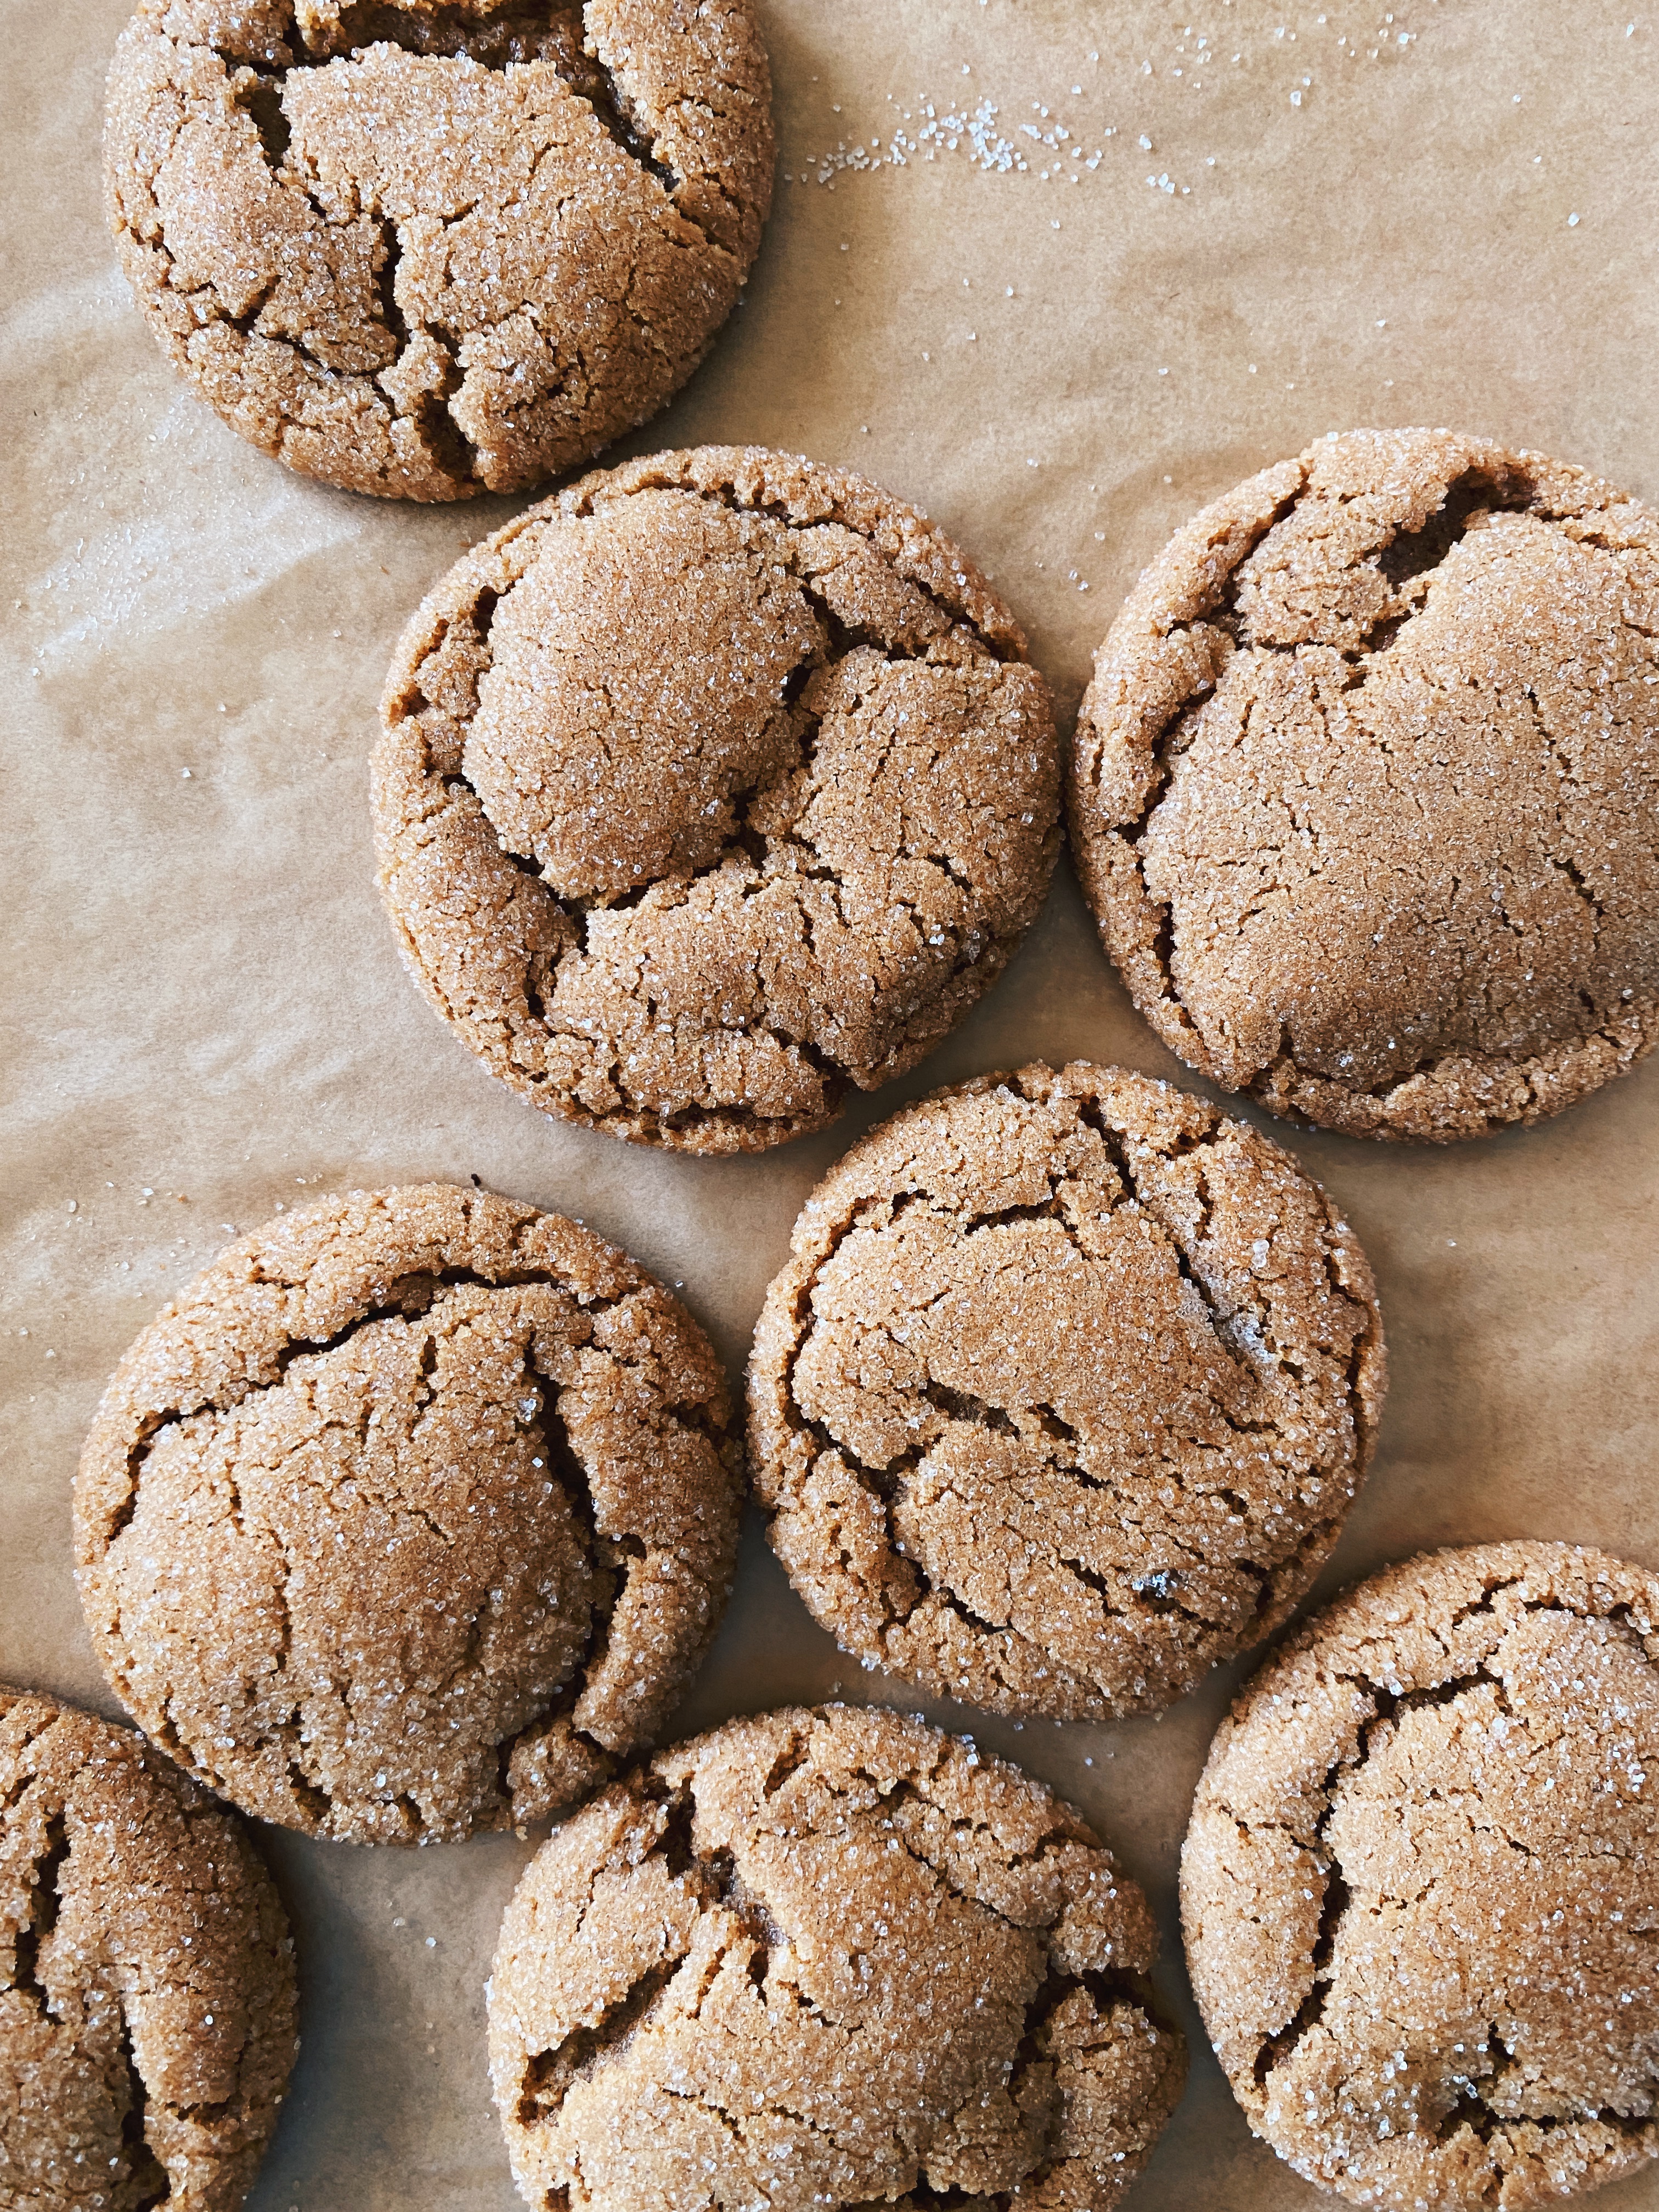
(1064, 1392)
(147, 2001)
(429, 248)
(826, 1958)
(1421, 1888)
(1365, 790)
(710, 791)
(411, 1517)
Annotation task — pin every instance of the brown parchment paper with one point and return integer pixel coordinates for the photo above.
(1317, 216)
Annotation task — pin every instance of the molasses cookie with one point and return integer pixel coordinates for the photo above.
(828, 1959)
(411, 1517)
(1421, 1884)
(428, 248)
(1365, 792)
(146, 1976)
(1064, 1393)
(709, 791)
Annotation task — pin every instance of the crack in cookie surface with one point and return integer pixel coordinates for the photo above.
(709, 791)
(1064, 1393)
(130, 1906)
(1418, 1886)
(844, 1958)
(412, 1516)
(1366, 789)
(425, 251)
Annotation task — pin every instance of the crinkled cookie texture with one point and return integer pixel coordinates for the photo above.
(709, 791)
(428, 248)
(147, 2002)
(828, 1959)
(1065, 1392)
(1365, 790)
(1421, 1885)
(411, 1517)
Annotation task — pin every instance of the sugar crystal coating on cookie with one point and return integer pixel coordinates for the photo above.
(827, 1958)
(411, 1517)
(1365, 792)
(428, 248)
(147, 1996)
(1420, 1888)
(709, 791)
(611, 769)
(1065, 1392)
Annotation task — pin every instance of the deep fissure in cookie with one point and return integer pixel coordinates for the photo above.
(1276, 2049)
(794, 1755)
(1225, 1328)
(316, 1801)
(148, 2176)
(621, 118)
(443, 436)
(1167, 744)
(510, 36)
(43, 1913)
(1410, 553)
(960, 1405)
(262, 98)
(514, 36)
(1000, 649)
(1471, 2110)
(548, 2076)
(922, 2197)
(607, 1559)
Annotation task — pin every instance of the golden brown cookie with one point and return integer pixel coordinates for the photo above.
(411, 1517)
(828, 1959)
(428, 248)
(1366, 792)
(146, 1999)
(1421, 1884)
(709, 791)
(1065, 1392)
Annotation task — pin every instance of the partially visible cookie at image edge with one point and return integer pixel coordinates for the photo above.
(709, 792)
(147, 1988)
(411, 1517)
(429, 248)
(1366, 790)
(1420, 1888)
(1064, 1393)
(837, 1959)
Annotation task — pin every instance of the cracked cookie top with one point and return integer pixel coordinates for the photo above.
(428, 248)
(1366, 792)
(411, 1517)
(709, 790)
(1064, 1393)
(825, 1959)
(1421, 1885)
(146, 2000)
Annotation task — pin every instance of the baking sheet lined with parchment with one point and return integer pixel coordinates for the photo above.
(1058, 276)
